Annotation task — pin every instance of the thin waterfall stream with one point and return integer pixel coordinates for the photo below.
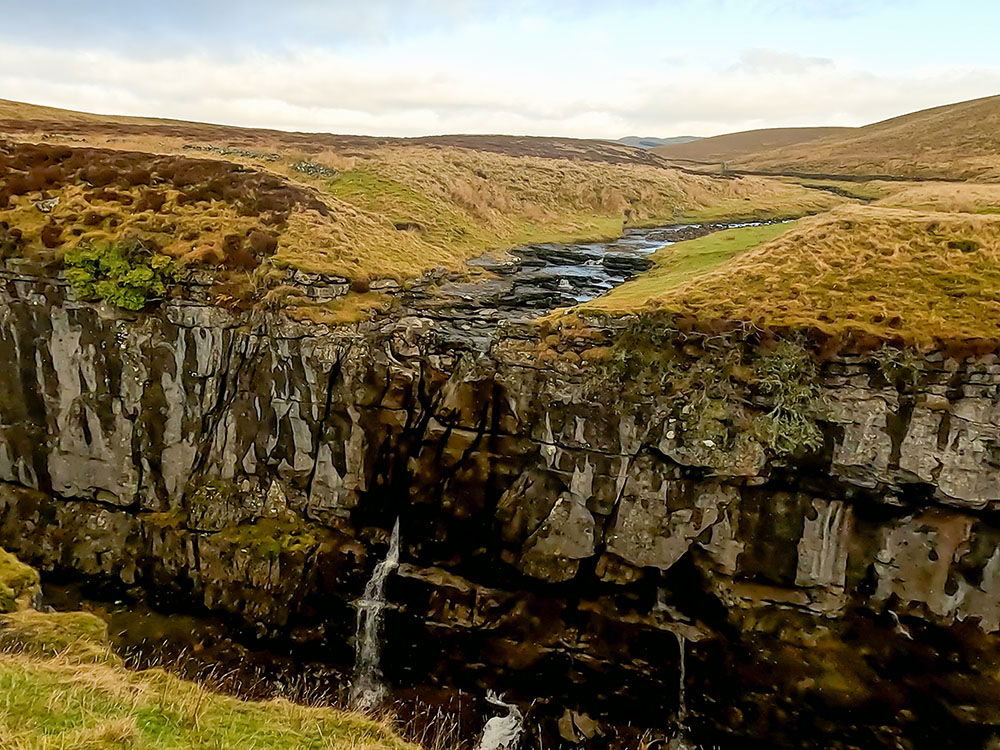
(367, 690)
(681, 700)
(680, 741)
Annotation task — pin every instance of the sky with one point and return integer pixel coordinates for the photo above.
(589, 68)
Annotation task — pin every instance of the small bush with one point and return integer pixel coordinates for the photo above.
(789, 379)
(900, 367)
(125, 274)
(708, 389)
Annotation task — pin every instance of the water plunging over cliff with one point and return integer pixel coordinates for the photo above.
(680, 741)
(367, 689)
(681, 702)
(502, 732)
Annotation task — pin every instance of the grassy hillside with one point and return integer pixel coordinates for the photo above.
(955, 141)
(675, 265)
(730, 146)
(63, 689)
(237, 199)
(919, 276)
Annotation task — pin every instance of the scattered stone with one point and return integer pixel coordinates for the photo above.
(314, 170)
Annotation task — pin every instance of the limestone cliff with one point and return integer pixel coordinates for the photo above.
(558, 532)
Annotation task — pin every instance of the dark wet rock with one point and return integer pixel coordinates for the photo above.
(631, 264)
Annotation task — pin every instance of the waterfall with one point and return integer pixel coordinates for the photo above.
(367, 689)
(501, 732)
(681, 702)
(680, 740)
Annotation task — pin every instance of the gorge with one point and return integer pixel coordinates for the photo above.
(816, 524)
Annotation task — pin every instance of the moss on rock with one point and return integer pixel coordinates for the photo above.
(18, 583)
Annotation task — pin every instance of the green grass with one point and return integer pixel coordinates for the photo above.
(440, 223)
(270, 537)
(434, 221)
(17, 581)
(864, 273)
(58, 705)
(677, 264)
(866, 191)
(63, 688)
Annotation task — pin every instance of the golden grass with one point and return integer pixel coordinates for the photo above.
(10, 110)
(891, 273)
(397, 208)
(190, 233)
(60, 704)
(956, 141)
(680, 263)
(400, 211)
(729, 146)
(959, 197)
(351, 308)
(869, 190)
(62, 688)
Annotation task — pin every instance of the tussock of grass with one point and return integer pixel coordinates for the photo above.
(49, 704)
(77, 637)
(18, 582)
(62, 688)
(677, 264)
(890, 273)
(351, 308)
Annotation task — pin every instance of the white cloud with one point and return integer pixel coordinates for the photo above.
(404, 89)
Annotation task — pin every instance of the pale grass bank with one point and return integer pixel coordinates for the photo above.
(897, 274)
(62, 688)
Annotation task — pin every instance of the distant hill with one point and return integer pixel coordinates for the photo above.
(648, 142)
(732, 146)
(955, 141)
(33, 120)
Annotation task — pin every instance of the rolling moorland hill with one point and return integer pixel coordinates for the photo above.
(730, 146)
(650, 142)
(955, 141)
(353, 206)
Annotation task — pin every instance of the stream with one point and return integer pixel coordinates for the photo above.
(522, 284)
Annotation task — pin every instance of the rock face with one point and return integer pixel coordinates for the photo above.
(557, 535)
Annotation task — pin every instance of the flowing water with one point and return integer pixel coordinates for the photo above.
(367, 690)
(681, 701)
(502, 732)
(529, 281)
(681, 741)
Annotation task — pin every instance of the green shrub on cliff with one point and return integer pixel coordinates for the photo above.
(125, 274)
(789, 379)
(720, 390)
(901, 367)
